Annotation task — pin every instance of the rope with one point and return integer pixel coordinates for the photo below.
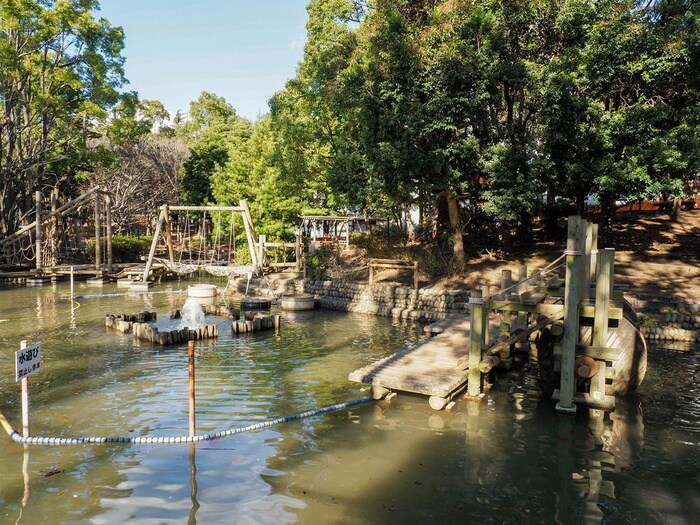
(153, 440)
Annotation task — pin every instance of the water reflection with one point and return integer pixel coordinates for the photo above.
(192, 518)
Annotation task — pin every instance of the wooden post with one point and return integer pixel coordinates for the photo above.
(593, 234)
(586, 274)
(347, 234)
(476, 340)
(190, 363)
(98, 233)
(25, 398)
(506, 282)
(262, 239)
(415, 276)
(169, 233)
(108, 222)
(603, 293)
(250, 234)
(371, 274)
(485, 292)
(154, 244)
(37, 196)
(522, 277)
(574, 247)
(297, 251)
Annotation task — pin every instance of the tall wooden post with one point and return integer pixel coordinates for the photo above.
(476, 340)
(587, 276)
(169, 233)
(297, 251)
(506, 282)
(98, 233)
(574, 251)
(603, 294)
(190, 366)
(522, 277)
(593, 234)
(37, 230)
(485, 294)
(262, 239)
(108, 223)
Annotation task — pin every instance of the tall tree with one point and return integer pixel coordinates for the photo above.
(60, 70)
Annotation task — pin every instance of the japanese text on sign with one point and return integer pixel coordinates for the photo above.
(27, 361)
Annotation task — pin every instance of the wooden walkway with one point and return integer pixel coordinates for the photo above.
(434, 368)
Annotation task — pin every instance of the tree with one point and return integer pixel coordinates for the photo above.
(213, 131)
(60, 70)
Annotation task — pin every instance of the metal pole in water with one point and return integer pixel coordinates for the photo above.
(25, 398)
(190, 362)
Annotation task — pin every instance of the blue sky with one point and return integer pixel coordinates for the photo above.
(242, 50)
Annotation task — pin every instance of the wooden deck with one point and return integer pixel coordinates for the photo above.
(431, 368)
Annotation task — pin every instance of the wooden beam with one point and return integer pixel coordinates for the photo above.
(599, 352)
(154, 244)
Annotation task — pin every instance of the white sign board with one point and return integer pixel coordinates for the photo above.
(27, 361)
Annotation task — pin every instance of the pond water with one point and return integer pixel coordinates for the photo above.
(506, 459)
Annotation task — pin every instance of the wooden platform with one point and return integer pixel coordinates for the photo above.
(431, 368)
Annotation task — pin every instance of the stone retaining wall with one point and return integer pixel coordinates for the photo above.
(670, 327)
(427, 304)
(400, 302)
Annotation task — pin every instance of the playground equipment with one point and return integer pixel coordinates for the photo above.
(57, 235)
(205, 250)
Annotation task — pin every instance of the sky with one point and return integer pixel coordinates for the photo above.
(242, 50)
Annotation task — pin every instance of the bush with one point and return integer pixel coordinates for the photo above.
(125, 248)
(317, 263)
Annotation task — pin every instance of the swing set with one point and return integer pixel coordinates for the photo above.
(194, 245)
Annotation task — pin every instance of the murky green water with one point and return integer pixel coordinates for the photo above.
(507, 459)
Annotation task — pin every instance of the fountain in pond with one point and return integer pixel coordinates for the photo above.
(192, 314)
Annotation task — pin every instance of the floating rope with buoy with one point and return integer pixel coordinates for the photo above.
(153, 440)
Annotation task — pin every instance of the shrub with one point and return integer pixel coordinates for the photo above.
(125, 248)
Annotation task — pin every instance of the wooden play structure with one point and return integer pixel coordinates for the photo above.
(206, 249)
(577, 328)
(57, 234)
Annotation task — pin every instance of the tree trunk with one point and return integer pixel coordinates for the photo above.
(675, 214)
(456, 230)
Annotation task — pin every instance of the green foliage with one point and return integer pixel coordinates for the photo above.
(60, 71)
(318, 263)
(197, 173)
(125, 248)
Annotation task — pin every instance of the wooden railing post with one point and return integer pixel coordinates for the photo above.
(574, 251)
(603, 294)
(506, 282)
(262, 239)
(297, 251)
(476, 341)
